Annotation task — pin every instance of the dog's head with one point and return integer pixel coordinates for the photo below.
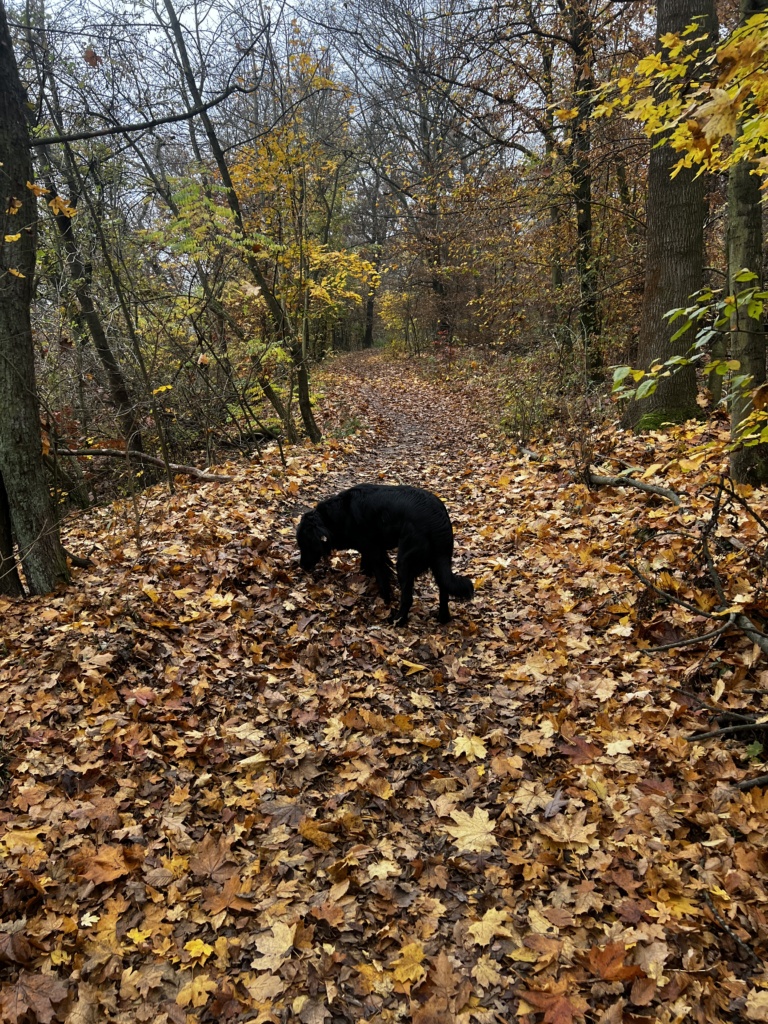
(313, 539)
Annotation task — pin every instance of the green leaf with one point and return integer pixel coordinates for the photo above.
(745, 275)
(621, 373)
(646, 388)
(681, 331)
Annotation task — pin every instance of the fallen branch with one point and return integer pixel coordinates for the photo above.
(694, 639)
(116, 453)
(728, 730)
(747, 953)
(741, 621)
(760, 780)
(628, 481)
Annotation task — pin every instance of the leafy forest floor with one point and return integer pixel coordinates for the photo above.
(233, 792)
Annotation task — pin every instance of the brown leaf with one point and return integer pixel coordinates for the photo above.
(213, 858)
(608, 963)
(107, 863)
(36, 993)
(15, 948)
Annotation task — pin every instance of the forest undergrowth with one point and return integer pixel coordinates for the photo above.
(230, 791)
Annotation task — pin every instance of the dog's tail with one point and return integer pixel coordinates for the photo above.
(460, 587)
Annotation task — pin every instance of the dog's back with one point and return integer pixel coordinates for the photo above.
(373, 519)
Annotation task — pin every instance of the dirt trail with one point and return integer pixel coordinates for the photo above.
(236, 792)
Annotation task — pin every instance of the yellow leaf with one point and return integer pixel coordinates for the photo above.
(198, 949)
(196, 991)
(60, 205)
(15, 272)
(37, 189)
(413, 668)
(13, 238)
(137, 935)
(475, 834)
(472, 747)
(408, 967)
(490, 925)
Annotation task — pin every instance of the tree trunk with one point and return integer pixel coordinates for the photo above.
(22, 472)
(745, 250)
(674, 262)
(10, 584)
(89, 315)
(586, 271)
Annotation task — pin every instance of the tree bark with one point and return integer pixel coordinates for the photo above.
(586, 271)
(10, 584)
(745, 250)
(29, 504)
(674, 263)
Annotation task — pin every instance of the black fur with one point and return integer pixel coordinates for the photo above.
(373, 518)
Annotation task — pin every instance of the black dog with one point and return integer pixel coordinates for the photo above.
(371, 519)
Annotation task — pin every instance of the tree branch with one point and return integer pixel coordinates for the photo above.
(118, 453)
(627, 481)
(141, 126)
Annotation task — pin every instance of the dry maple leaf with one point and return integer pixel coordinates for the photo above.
(107, 863)
(489, 925)
(279, 942)
(213, 858)
(608, 963)
(472, 834)
(408, 967)
(36, 993)
(228, 899)
(15, 948)
(472, 747)
(757, 1005)
(558, 1007)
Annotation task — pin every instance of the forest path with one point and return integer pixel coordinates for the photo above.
(231, 790)
(413, 429)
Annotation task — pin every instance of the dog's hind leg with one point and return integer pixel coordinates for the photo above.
(443, 615)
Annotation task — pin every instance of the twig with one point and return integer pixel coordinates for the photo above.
(748, 954)
(694, 640)
(760, 780)
(120, 453)
(728, 730)
(752, 632)
(81, 563)
(627, 481)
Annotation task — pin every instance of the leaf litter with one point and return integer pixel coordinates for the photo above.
(234, 792)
